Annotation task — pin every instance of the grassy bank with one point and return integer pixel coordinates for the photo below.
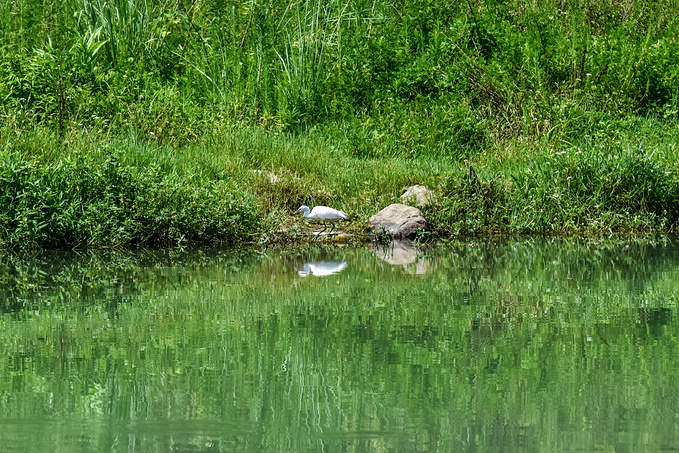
(242, 185)
(159, 123)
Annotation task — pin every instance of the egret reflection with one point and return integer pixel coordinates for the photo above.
(322, 268)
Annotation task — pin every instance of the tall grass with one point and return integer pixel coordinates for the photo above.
(564, 115)
(296, 63)
(124, 26)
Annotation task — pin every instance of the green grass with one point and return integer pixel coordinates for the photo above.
(94, 199)
(567, 116)
(242, 184)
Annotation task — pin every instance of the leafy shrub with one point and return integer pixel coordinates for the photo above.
(471, 204)
(415, 129)
(589, 189)
(83, 203)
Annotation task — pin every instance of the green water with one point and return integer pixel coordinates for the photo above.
(518, 346)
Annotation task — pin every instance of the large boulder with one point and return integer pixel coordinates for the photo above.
(418, 196)
(399, 220)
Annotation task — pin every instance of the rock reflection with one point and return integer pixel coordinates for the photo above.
(403, 253)
(322, 268)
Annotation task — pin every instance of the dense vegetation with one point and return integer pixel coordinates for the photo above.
(144, 121)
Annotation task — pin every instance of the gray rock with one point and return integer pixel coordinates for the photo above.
(399, 220)
(419, 196)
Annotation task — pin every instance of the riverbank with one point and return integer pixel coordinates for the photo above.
(242, 185)
(162, 123)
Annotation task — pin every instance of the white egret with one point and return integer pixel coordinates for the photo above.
(323, 214)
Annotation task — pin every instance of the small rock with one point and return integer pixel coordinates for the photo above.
(399, 220)
(421, 195)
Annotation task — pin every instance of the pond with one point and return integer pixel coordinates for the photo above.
(528, 345)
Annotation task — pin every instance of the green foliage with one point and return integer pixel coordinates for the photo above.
(80, 202)
(591, 187)
(599, 186)
(471, 205)
(291, 64)
(349, 101)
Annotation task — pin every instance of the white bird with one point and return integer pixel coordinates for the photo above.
(324, 214)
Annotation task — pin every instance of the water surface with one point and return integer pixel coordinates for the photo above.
(517, 346)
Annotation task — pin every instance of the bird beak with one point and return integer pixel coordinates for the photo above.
(296, 212)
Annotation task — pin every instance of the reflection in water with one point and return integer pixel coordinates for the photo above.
(402, 252)
(322, 268)
(517, 346)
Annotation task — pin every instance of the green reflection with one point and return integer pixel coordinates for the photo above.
(529, 345)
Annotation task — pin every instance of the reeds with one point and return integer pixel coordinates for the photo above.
(296, 63)
(348, 101)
